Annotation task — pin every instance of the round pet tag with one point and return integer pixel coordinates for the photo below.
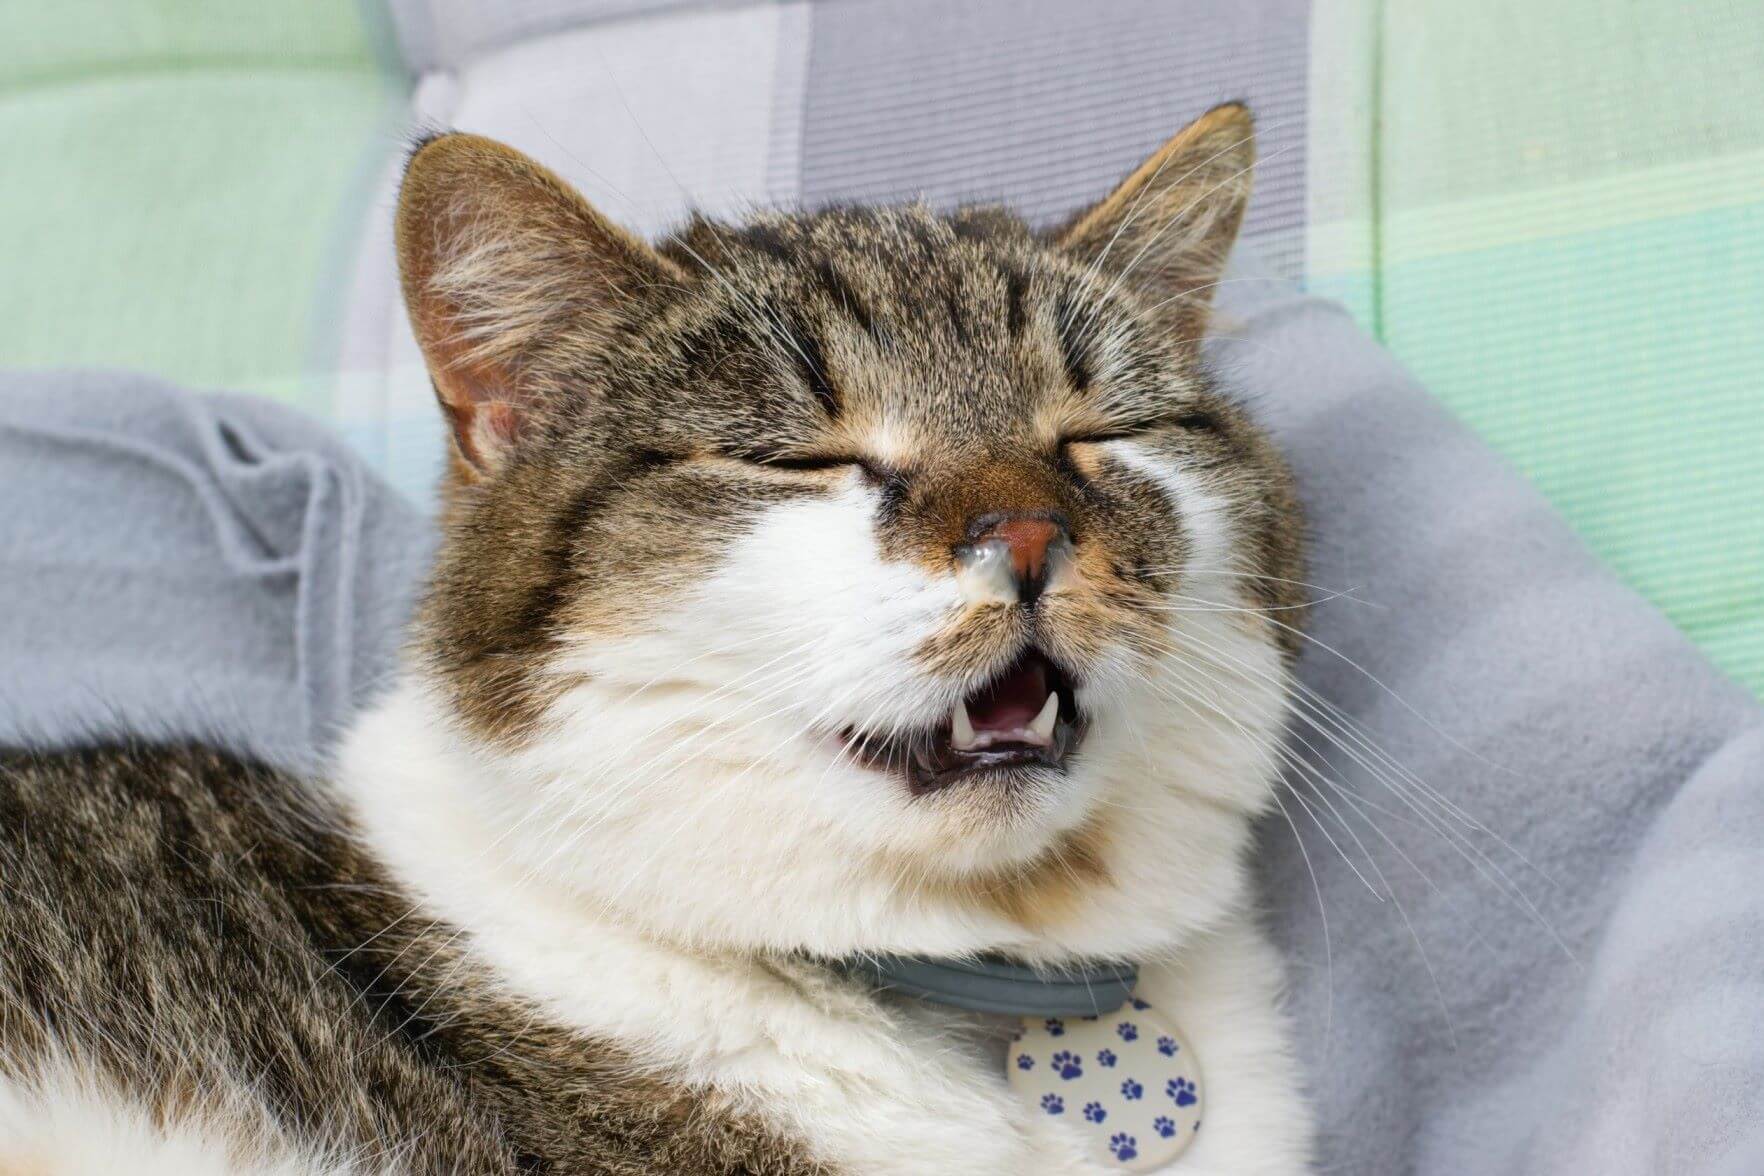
(1128, 1081)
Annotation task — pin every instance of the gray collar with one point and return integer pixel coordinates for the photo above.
(992, 985)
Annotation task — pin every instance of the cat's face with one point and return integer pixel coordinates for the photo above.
(866, 559)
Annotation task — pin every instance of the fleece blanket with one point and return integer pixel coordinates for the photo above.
(1517, 868)
(175, 566)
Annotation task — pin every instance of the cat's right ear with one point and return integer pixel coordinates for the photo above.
(503, 264)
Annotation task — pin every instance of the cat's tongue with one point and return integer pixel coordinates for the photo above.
(1018, 707)
(1012, 701)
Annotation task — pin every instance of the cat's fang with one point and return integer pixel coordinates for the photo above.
(961, 728)
(1043, 726)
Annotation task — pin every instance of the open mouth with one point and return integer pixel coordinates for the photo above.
(1026, 715)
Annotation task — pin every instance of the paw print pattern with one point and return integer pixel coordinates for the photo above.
(1124, 1080)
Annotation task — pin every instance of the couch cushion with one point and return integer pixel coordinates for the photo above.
(1560, 226)
(181, 183)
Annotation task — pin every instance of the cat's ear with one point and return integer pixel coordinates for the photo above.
(1170, 225)
(502, 263)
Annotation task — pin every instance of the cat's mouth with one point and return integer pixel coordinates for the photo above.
(1024, 716)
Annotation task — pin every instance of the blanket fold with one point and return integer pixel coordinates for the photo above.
(191, 567)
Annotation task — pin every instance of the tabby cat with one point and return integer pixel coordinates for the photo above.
(867, 580)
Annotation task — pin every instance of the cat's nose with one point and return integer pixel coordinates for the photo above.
(1011, 557)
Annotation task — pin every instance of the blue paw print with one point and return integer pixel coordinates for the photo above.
(1025, 1062)
(1068, 1066)
(1128, 1031)
(1094, 1112)
(1182, 1090)
(1124, 1146)
(1139, 1004)
(1167, 1046)
(1056, 1027)
(1131, 1090)
(1106, 1057)
(1163, 1124)
(1053, 1104)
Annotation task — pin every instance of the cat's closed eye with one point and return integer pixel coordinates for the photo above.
(1196, 422)
(812, 463)
(1100, 437)
(807, 463)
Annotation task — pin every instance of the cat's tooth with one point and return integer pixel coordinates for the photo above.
(1043, 726)
(961, 728)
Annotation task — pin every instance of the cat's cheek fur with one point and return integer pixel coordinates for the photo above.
(691, 776)
(713, 737)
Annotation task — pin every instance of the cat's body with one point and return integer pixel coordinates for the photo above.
(205, 972)
(869, 581)
(197, 950)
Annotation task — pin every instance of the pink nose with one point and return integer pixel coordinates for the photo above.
(1028, 539)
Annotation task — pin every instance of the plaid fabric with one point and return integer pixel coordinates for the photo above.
(1554, 213)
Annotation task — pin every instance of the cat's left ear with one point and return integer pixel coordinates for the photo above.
(504, 266)
(1170, 225)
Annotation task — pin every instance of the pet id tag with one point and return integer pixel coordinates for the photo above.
(1128, 1081)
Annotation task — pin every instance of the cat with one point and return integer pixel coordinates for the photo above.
(863, 580)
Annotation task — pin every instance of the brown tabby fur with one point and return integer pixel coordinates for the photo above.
(209, 935)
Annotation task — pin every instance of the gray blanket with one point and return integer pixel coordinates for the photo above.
(209, 567)
(1521, 885)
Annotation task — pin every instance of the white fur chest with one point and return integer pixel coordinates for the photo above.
(870, 1088)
